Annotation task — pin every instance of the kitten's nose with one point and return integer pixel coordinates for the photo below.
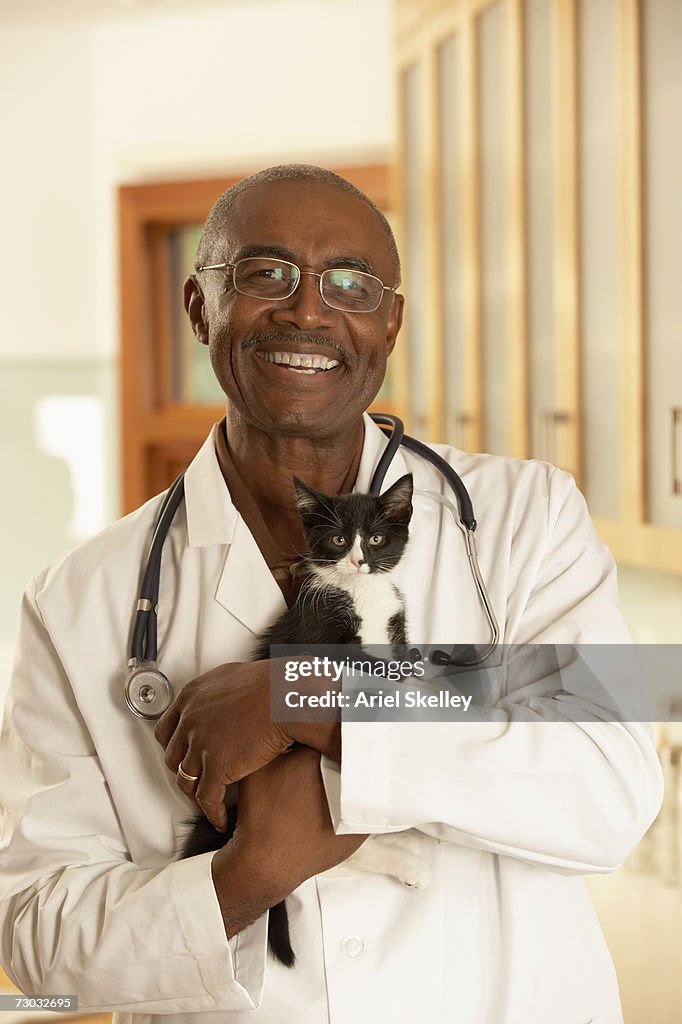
(356, 554)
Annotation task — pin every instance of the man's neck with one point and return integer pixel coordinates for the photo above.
(267, 463)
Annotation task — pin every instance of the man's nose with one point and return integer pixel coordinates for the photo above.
(305, 308)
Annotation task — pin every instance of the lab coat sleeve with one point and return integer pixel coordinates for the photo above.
(573, 795)
(76, 915)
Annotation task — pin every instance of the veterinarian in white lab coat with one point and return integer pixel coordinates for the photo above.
(504, 817)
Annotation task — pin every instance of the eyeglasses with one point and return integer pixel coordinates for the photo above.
(261, 277)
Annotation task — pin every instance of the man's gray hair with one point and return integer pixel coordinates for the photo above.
(214, 228)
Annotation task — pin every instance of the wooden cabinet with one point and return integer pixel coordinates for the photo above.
(540, 156)
(169, 396)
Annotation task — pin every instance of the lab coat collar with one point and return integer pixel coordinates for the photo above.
(246, 588)
(211, 516)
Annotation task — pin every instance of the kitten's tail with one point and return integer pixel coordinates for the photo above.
(202, 838)
(278, 935)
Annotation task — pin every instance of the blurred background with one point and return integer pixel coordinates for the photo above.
(529, 156)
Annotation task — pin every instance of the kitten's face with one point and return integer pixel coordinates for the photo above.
(355, 534)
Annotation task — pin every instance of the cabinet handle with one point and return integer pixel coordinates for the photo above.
(677, 448)
(457, 429)
(548, 421)
(462, 422)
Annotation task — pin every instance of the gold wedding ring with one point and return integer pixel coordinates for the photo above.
(184, 775)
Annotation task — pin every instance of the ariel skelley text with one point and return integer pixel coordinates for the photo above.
(377, 699)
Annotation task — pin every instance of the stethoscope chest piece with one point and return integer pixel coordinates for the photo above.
(148, 692)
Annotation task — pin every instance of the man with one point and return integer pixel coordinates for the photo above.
(506, 814)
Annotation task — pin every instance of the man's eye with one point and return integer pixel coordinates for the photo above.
(338, 540)
(266, 273)
(347, 281)
(352, 284)
(376, 539)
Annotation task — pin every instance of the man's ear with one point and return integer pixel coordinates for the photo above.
(194, 307)
(395, 320)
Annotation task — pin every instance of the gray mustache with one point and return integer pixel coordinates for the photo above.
(285, 338)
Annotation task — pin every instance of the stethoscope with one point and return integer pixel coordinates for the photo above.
(148, 692)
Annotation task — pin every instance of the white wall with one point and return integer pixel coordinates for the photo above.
(47, 195)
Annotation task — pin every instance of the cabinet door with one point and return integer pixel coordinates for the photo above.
(662, 138)
(412, 100)
(540, 226)
(598, 254)
(457, 416)
(493, 227)
(555, 323)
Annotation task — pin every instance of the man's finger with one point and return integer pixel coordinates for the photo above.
(187, 777)
(176, 750)
(213, 805)
(166, 725)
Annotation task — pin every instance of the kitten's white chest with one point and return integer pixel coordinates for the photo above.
(376, 602)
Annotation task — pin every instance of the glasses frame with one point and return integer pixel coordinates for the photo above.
(301, 273)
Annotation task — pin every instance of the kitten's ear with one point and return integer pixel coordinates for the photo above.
(397, 500)
(307, 499)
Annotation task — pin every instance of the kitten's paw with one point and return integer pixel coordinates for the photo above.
(396, 854)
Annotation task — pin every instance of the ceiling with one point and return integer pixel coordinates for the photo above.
(43, 13)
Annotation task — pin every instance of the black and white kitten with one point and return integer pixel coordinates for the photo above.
(354, 540)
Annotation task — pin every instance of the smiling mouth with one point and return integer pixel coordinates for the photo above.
(300, 362)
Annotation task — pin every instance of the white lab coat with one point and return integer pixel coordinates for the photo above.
(92, 902)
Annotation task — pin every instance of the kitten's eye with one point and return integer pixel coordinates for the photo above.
(376, 539)
(338, 540)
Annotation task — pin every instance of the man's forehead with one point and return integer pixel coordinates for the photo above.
(303, 211)
(301, 192)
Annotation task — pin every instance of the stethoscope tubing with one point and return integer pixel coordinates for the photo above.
(144, 645)
(398, 437)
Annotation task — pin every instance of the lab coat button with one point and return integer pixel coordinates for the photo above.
(353, 946)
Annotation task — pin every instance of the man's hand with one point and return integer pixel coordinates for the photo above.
(284, 835)
(219, 729)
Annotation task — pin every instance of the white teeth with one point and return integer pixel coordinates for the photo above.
(301, 362)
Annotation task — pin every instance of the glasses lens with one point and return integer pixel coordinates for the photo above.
(351, 290)
(265, 278)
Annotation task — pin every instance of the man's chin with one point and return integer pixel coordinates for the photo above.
(304, 420)
(302, 408)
